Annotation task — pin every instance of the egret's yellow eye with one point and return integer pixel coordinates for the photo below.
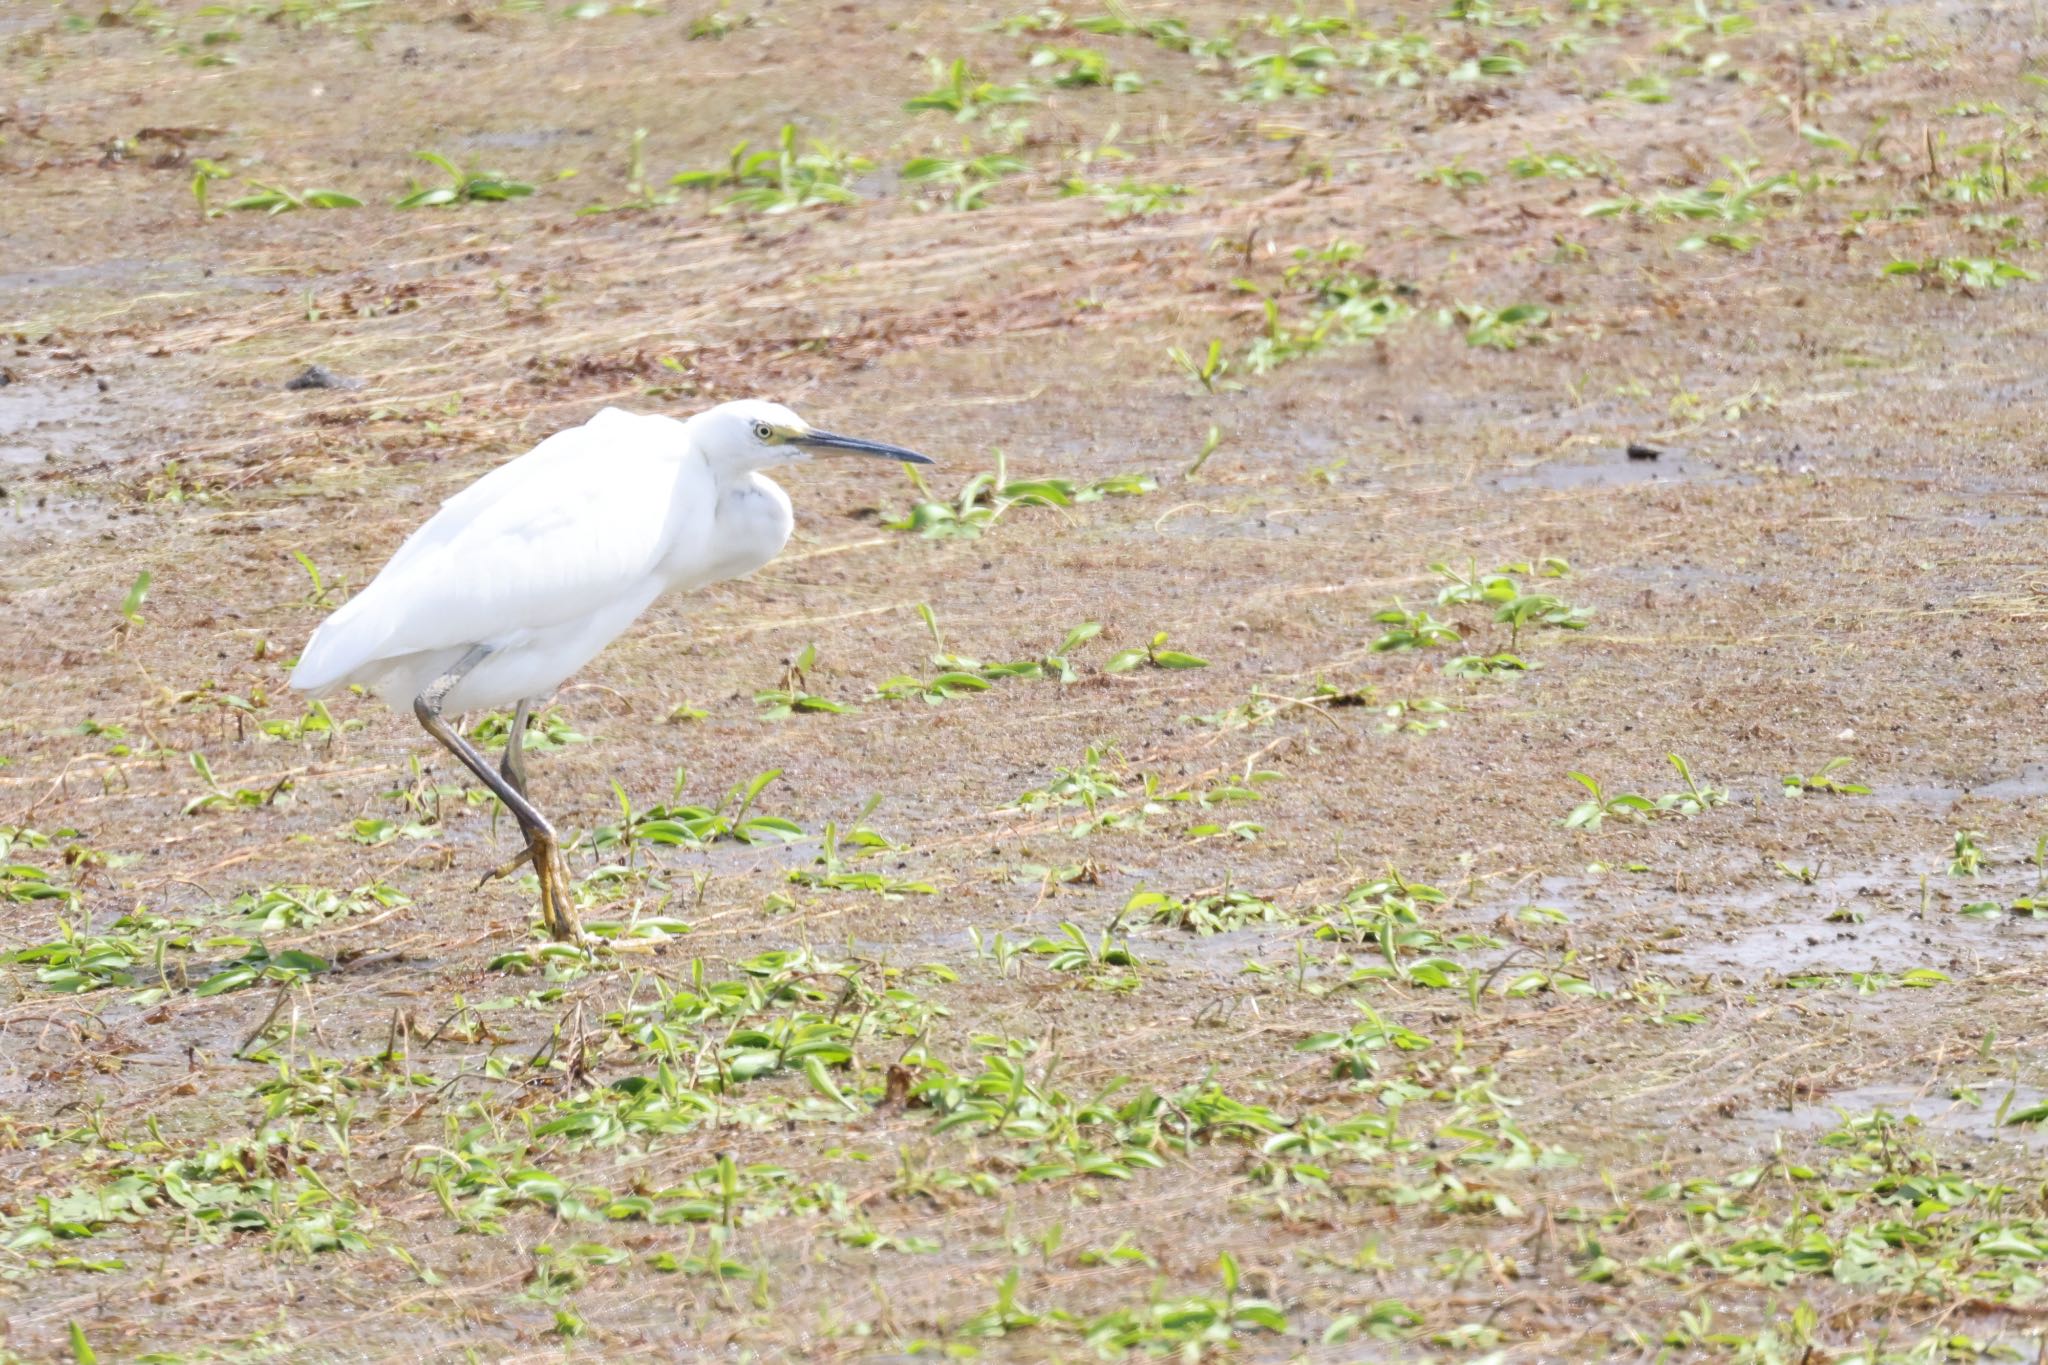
(763, 432)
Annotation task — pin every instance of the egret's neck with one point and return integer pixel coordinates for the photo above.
(749, 486)
(753, 522)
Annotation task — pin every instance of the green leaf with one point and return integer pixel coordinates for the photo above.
(138, 592)
(436, 159)
(821, 1081)
(422, 199)
(233, 978)
(1079, 636)
(966, 681)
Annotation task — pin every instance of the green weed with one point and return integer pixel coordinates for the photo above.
(1209, 372)
(1412, 630)
(791, 697)
(987, 496)
(1075, 67)
(956, 91)
(216, 795)
(968, 177)
(673, 824)
(780, 179)
(1502, 329)
(463, 187)
(1697, 799)
(276, 199)
(1966, 274)
(1152, 654)
(1826, 781)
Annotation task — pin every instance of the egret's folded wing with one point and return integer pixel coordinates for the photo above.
(580, 521)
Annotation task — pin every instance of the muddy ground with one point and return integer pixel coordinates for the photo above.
(1721, 323)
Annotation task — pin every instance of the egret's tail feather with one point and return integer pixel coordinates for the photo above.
(342, 650)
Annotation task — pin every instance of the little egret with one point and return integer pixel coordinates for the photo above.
(524, 576)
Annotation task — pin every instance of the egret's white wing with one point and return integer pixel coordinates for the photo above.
(577, 523)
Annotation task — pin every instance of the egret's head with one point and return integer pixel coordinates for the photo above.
(752, 434)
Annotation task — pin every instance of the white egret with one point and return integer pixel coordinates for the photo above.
(524, 576)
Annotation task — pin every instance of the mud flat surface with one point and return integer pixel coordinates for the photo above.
(1293, 1006)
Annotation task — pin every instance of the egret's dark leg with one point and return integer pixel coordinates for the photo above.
(514, 766)
(542, 848)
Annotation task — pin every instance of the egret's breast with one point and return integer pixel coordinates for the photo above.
(752, 525)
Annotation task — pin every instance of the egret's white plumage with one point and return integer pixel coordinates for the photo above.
(524, 576)
(548, 558)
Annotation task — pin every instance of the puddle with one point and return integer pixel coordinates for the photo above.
(523, 140)
(1931, 1105)
(1782, 928)
(135, 276)
(24, 514)
(1819, 946)
(1916, 794)
(2029, 782)
(46, 421)
(1891, 941)
(1615, 471)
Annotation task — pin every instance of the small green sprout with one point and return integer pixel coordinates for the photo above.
(463, 187)
(1153, 654)
(970, 177)
(781, 179)
(791, 698)
(1086, 66)
(959, 93)
(1209, 371)
(1826, 780)
(1967, 858)
(138, 593)
(1412, 630)
(1590, 813)
(276, 199)
(1503, 329)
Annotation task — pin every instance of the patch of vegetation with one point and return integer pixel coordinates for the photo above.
(276, 199)
(463, 187)
(1696, 799)
(987, 496)
(673, 824)
(957, 91)
(792, 696)
(782, 178)
(968, 177)
(1965, 274)
(1827, 781)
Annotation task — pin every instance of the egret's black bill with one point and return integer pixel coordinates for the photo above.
(879, 449)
